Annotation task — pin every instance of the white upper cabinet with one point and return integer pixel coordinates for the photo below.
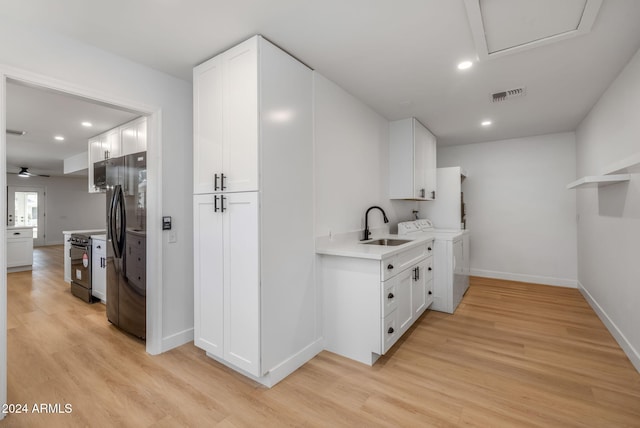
(133, 137)
(412, 161)
(227, 145)
(123, 140)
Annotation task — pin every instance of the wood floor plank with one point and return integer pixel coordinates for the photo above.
(513, 355)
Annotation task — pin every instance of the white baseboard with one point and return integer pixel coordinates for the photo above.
(627, 347)
(176, 340)
(283, 369)
(534, 279)
(287, 367)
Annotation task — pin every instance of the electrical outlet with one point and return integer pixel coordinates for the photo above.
(173, 237)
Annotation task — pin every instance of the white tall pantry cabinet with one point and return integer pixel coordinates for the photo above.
(254, 292)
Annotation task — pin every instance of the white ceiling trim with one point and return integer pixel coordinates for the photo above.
(474, 14)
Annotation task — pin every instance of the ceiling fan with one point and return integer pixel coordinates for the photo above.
(24, 172)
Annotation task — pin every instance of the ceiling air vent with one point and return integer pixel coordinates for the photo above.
(511, 93)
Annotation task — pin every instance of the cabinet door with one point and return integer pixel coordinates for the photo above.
(405, 307)
(418, 291)
(96, 154)
(240, 149)
(19, 252)
(141, 134)
(420, 150)
(424, 162)
(430, 171)
(241, 281)
(99, 270)
(67, 257)
(207, 124)
(112, 144)
(208, 275)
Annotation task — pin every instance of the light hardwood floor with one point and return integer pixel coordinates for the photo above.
(513, 355)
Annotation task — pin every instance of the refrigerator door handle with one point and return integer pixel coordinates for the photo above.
(117, 210)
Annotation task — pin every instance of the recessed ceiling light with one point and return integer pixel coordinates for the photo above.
(486, 123)
(59, 138)
(87, 124)
(464, 65)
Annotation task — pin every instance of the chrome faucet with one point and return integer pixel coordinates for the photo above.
(366, 221)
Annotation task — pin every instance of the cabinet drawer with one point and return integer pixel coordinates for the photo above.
(19, 233)
(396, 264)
(428, 274)
(390, 332)
(99, 249)
(389, 297)
(429, 293)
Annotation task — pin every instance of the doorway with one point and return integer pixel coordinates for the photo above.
(25, 208)
(154, 198)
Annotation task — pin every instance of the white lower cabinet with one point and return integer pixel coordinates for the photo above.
(19, 248)
(67, 257)
(99, 269)
(226, 268)
(369, 304)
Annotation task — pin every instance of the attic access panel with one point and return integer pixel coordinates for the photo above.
(501, 27)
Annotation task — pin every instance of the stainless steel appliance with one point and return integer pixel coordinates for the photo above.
(100, 175)
(126, 181)
(80, 255)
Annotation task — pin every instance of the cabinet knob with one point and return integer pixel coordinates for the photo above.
(429, 248)
(430, 268)
(391, 330)
(430, 292)
(390, 266)
(422, 193)
(390, 296)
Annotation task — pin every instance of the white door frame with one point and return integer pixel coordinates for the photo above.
(154, 202)
(42, 205)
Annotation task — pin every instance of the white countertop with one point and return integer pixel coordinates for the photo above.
(84, 232)
(349, 245)
(101, 237)
(19, 227)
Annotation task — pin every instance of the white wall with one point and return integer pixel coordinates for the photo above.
(520, 216)
(90, 69)
(609, 217)
(351, 162)
(68, 205)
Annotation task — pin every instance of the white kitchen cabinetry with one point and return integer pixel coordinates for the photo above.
(123, 140)
(67, 257)
(99, 269)
(412, 161)
(133, 136)
(227, 242)
(369, 304)
(255, 298)
(102, 147)
(19, 248)
(226, 121)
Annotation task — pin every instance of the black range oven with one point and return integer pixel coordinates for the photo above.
(80, 255)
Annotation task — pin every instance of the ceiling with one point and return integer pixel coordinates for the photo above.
(43, 115)
(399, 57)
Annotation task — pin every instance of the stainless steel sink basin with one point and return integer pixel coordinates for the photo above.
(387, 242)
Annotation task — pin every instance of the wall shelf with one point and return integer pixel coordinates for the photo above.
(598, 180)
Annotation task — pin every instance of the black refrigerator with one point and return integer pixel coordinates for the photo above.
(126, 182)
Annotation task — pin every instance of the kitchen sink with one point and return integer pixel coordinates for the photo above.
(387, 242)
